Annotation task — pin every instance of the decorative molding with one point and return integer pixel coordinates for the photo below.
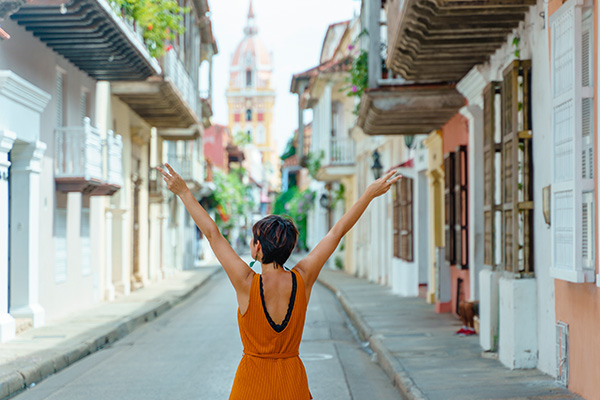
(28, 157)
(18, 89)
(472, 85)
(7, 139)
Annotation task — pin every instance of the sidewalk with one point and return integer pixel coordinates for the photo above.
(418, 350)
(38, 353)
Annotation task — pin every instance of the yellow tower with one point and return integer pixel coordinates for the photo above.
(251, 98)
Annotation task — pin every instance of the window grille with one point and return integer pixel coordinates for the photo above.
(562, 353)
(450, 208)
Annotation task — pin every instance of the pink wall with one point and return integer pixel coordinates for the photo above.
(215, 140)
(456, 133)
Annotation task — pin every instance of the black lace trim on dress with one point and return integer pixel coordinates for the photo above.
(279, 328)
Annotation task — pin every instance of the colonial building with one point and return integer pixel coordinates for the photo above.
(86, 113)
(251, 98)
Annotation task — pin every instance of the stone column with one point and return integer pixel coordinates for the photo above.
(7, 322)
(25, 221)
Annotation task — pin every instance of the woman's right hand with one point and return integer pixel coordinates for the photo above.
(175, 183)
(382, 185)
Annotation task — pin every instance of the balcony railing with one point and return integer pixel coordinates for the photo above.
(189, 169)
(79, 162)
(78, 152)
(341, 151)
(114, 144)
(157, 188)
(176, 73)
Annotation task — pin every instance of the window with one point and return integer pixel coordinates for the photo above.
(492, 210)
(86, 254)
(517, 169)
(261, 137)
(61, 96)
(456, 207)
(572, 201)
(84, 104)
(403, 219)
(248, 78)
(449, 214)
(248, 115)
(60, 237)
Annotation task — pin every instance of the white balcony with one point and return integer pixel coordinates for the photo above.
(80, 164)
(339, 161)
(175, 72)
(190, 170)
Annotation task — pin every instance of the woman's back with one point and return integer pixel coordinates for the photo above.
(271, 368)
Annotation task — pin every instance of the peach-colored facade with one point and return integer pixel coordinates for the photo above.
(456, 133)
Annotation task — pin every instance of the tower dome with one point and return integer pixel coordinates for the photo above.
(251, 63)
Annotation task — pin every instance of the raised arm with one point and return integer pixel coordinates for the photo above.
(238, 272)
(310, 266)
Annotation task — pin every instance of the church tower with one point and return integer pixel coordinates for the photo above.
(251, 98)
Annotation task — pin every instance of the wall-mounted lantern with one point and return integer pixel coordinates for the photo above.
(377, 168)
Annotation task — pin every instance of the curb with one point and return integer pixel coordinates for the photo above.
(28, 371)
(390, 364)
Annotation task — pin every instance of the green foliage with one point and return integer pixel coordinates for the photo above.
(296, 204)
(339, 263)
(314, 163)
(339, 195)
(516, 42)
(242, 138)
(358, 80)
(161, 20)
(232, 198)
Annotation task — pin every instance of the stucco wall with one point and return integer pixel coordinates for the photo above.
(22, 54)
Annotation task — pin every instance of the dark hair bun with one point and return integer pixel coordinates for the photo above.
(277, 235)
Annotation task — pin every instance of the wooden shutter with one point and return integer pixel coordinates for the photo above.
(517, 171)
(396, 222)
(490, 149)
(461, 212)
(449, 208)
(406, 220)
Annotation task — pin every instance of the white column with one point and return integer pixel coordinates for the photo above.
(7, 322)
(109, 288)
(24, 231)
(474, 115)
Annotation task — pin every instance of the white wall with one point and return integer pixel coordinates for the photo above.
(22, 54)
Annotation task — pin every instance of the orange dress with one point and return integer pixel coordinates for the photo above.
(271, 368)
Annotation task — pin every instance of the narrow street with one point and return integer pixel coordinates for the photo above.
(192, 352)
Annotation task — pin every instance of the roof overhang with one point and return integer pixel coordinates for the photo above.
(441, 40)
(159, 102)
(90, 35)
(189, 133)
(408, 109)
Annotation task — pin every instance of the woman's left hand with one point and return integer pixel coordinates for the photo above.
(175, 183)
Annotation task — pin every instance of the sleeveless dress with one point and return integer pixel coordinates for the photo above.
(271, 368)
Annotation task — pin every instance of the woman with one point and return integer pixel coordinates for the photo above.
(272, 305)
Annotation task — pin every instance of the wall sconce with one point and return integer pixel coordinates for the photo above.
(324, 201)
(376, 167)
(546, 203)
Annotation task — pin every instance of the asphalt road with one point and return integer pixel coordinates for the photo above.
(192, 352)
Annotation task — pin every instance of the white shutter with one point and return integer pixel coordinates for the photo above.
(59, 98)
(567, 72)
(587, 232)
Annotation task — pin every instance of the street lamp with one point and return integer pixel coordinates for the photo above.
(376, 167)
(324, 200)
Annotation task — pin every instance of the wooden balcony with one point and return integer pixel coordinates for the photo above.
(91, 35)
(80, 164)
(408, 109)
(441, 40)
(169, 102)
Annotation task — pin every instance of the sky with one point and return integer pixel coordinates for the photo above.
(292, 30)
